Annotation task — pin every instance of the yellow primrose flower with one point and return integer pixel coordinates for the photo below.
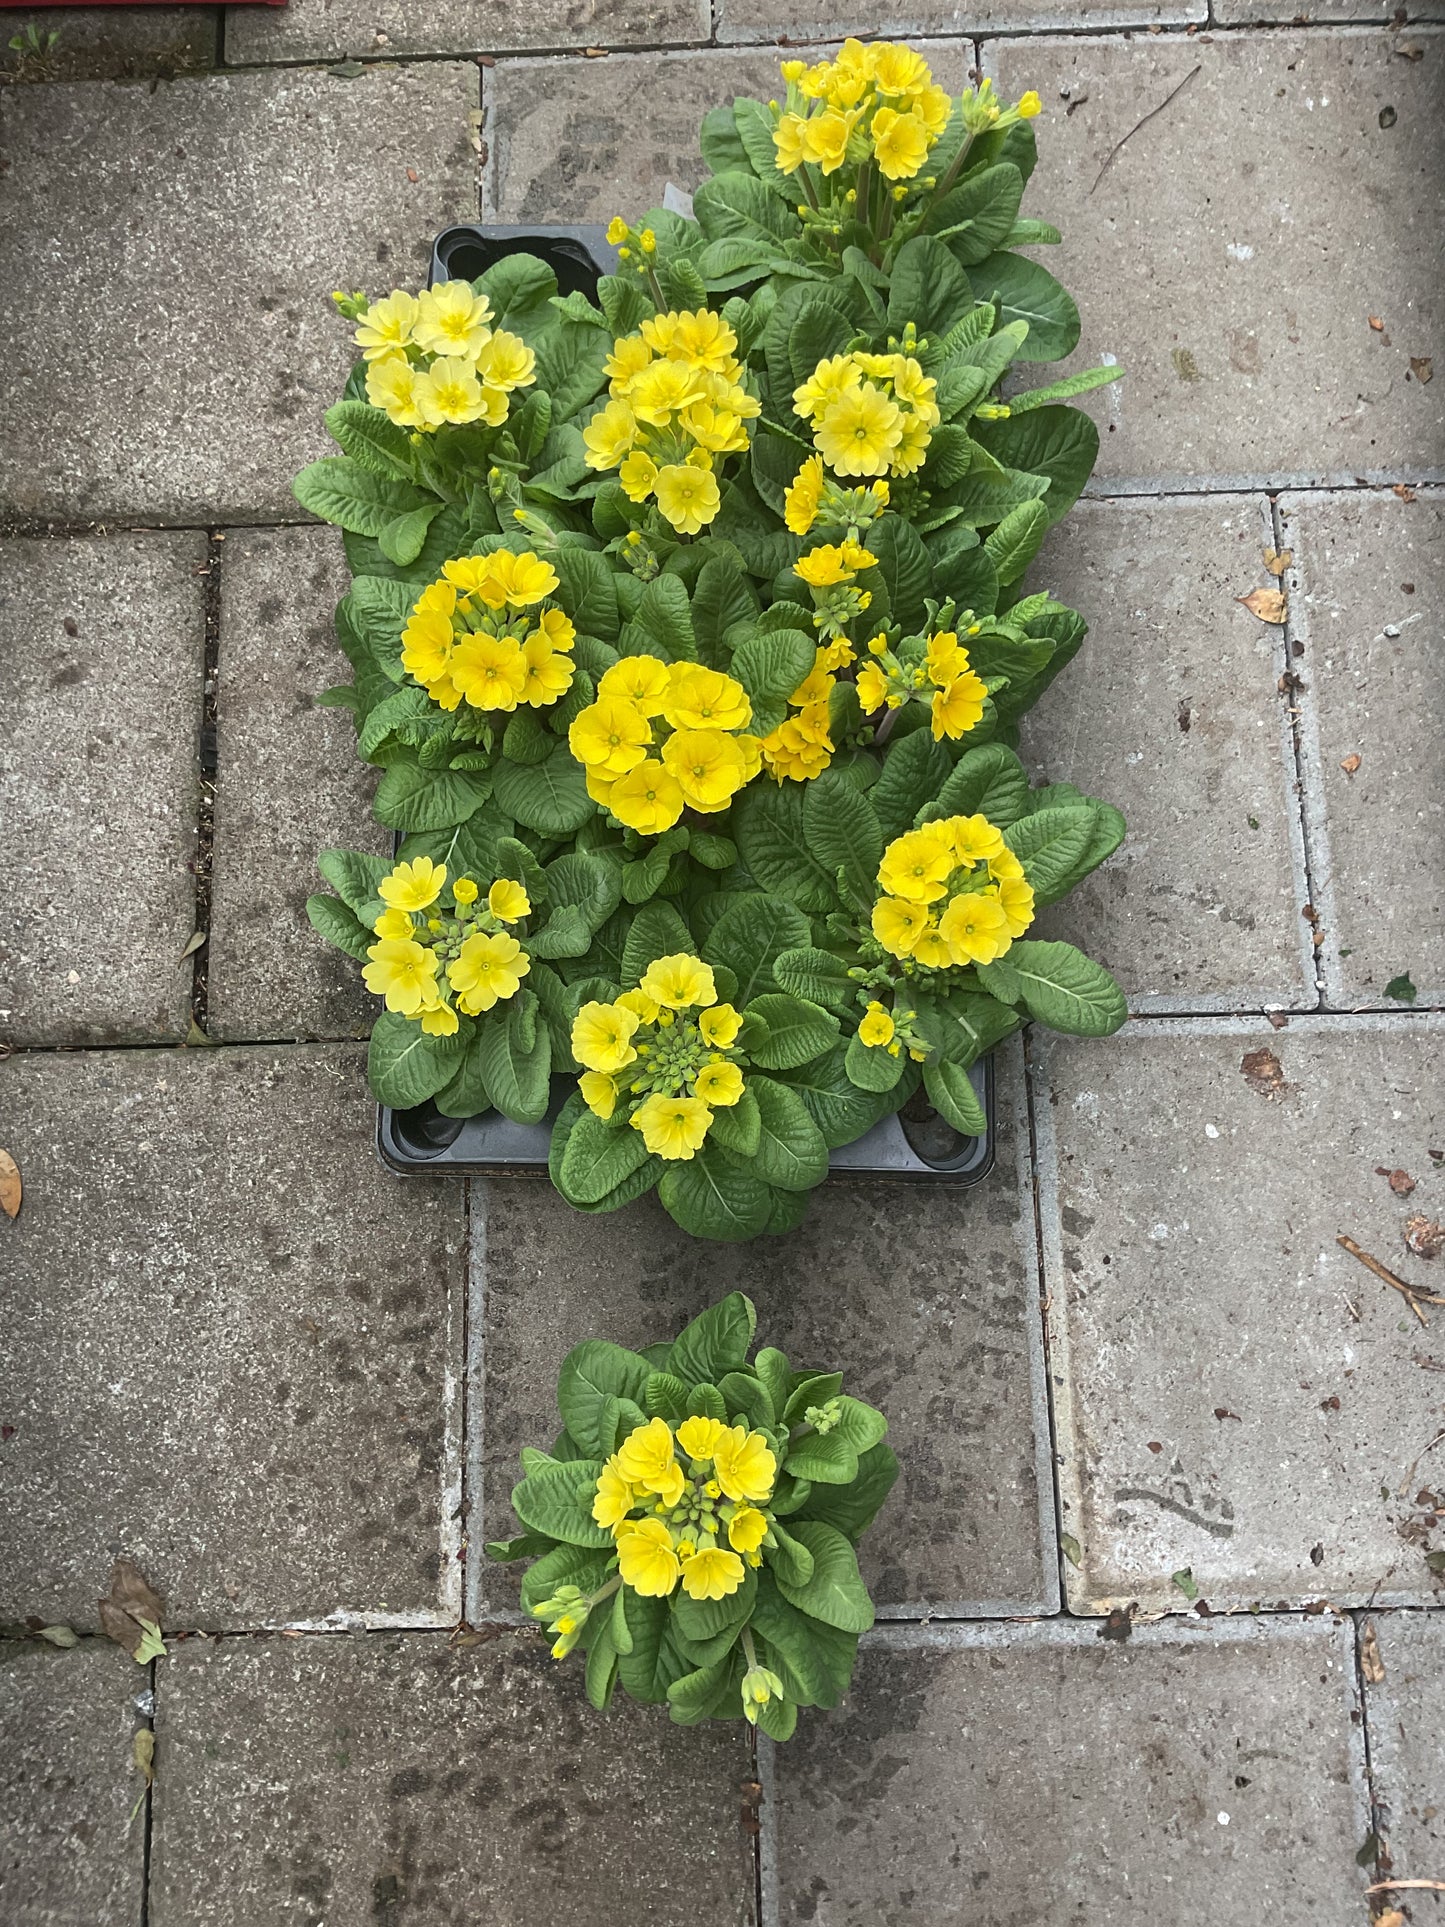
(720, 1085)
(630, 355)
(451, 319)
(699, 698)
(392, 385)
(599, 1093)
(549, 673)
(900, 144)
(712, 1573)
(803, 496)
(701, 337)
(931, 950)
(914, 388)
(647, 799)
(747, 1529)
(872, 686)
(464, 891)
(1016, 900)
(387, 325)
(519, 580)
(760, 1688)
(506, 362)
(707, 764)
(916, 865)
(672, 1127)
(678, 982)
(403, 972)
(450, 392)
(440, 1020)
(944, 659)
(638, 475)
(974, 838)
(898, 924)
(602, 1037)
(790, 143)
(912, 446)
(614, 1498)
(396, 924)
(697, 1436)
(643, 681)
(831, 378)
(638, 1000)
(877, 1027)
(558, 628)
(896, 69)
(609, 435)
(689, 497)
(508, 901)
(664, 389)
(825, 138)
(744, 1465)
(959, 708)
(490, 672)
(975, 928)
(646, 1458)
(610, 735)
(487, 971)
(645, 1558)
(720, 1025)
(857, 433)
(1029, 105)
(412, 886)
(617, 230)
(833, 563)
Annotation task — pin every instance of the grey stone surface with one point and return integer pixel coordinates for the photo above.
(754, 20)
(217, 213)
(289, 784)
(236, 1353)
(1026, 1774)
(1233, 1393)
(1368, 607)
(124, 43)
(102, 642)
(1407, 1747)
(924, 1297)
(68, 1858)
(1172, 712)
(582, 140)
(395, 1778)
(1213, 258)
(326, 29)
(1246, 13)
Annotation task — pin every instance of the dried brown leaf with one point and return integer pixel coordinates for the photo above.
(1351, 763)
(10, 1185)
(193, 944)
(1421, 367)
(1424, 1236)
(1269, 605)
(1403, 490)
(1401, 1183)
(1371, 1665)
(130, 1600)
(1376, 323)
(1276, 561)
(1263, 1072)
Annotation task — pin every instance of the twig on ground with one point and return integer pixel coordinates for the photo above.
(1115, 150)
(1412, 1294)
(1393, 1886)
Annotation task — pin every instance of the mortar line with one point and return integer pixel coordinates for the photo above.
(206, 778)
(1378, 1822)
(464, 1443)
(754, 1744)
(1045, 1290)
(1299, 836)
(474, 1443)
(147, 1817)
(769, 1914)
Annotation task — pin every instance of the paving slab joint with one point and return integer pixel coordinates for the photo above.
(1291, 688)
(1379, 1834)
(206, 774)
(1044, 1289)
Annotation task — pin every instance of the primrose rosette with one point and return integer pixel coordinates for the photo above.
(694, 1529)
(690, 640)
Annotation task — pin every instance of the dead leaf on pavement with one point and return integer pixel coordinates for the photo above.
(1423, 1236)
(1376, 323)
(131, 1613)
(1421, 367)
(143, 1752)
(1394, 1918)
(1371, 1665)
(1263, 1072)
(1401, 1183)
(1268, 604)
(62, 1636)
(1351, 763)
(196, 940)
(1276, 561)
(10, 1186)
(1403, 490)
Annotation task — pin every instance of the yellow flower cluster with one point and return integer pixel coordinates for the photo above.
(878, 102)
(871, 414)
(485, 634)
(678, 406)
(831, 572)
(801, 746)
(933, 669)
(667, 1043)
(433, 358)
(813, 493)
(700, 1518)
(954, 894)
(430, 960)
(696, 717)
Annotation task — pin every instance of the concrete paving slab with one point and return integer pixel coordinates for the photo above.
(331, 29)
(1237, 1400)
(925, 1298)
(289, 784)
(1236, 187)
(1172, 712)
(754, 20)
(68, 1857)
(103, 645)
(395, 1778)
(1319, 13)
(1407, 1746)
(218, 213)
(582, 140)
(1005, 1775)
(1367, 605)
(120, 43)
(236, 1355)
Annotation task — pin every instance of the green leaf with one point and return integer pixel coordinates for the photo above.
(526, 1545)
(903, 566)
(835, 1594)
(600, 1675)
(550, 797)
(792, 1151)
(664, 619)
(412, 798)
(978, 214)
(841, 829)
(718, 140)
(736, 1127)
(706, 1693)
(951, 1093)
(754, 126)
(770, 668)
(1023, 290)
(591, 1373)
(402, 538)
(656, 931)
(1052, 845)
(556, 1498)
(1401, 989)
(1082, 383)
(747, 938)
(840, 1110)
(1015, 542)
(737, 203)
(331, 918)
(520, 289)
(404, 1065)
(516, 1059)
(465, 1092)
(816, 975)
(1061, 443)
(706, 1401)
(851, 1508)
(767, 820)
(1066, 990)
(666, 1396)
(797, 1031)
(340, 490)
(871, 1067)
(914, 771)
(565, 1565)
(989, 781)
(587, 590)
(570, 360)
(599, 1156)
(714, 1195)
(778, 1718)
(789, 1558)
(370, 438)
(928, 288)
(814, 1660)
(655, 1662)
(747, 1399)
(711, 1625)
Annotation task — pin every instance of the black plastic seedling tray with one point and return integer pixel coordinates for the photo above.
(916, 1146)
